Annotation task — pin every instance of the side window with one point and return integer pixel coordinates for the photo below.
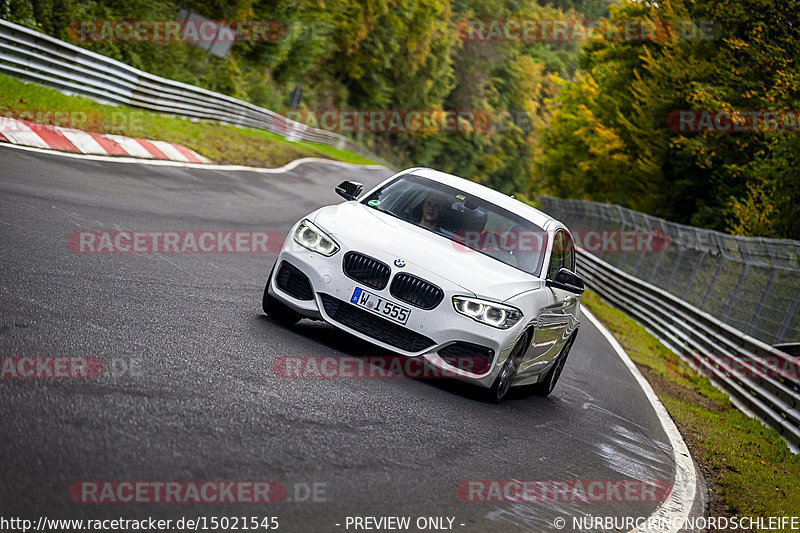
(557, 255)
(569, 253)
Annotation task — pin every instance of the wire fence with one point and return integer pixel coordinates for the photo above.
(749, 283)
(762, 379)
(34, 56)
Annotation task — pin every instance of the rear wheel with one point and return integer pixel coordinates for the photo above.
(276, 309)
(546, 386)
(502, 384)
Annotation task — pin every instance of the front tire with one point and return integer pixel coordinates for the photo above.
(546, 386)
(502, 384)
(276, 309)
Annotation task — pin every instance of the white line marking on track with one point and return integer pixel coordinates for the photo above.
(162, 162)
(676, 509)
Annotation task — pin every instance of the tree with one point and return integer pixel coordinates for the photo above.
(628, 91)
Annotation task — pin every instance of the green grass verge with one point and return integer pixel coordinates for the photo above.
(220, 143)
(756, 473)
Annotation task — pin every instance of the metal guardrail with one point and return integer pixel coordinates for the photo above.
(660, 290)
(733, 360)
(750, 283)
(36, 57)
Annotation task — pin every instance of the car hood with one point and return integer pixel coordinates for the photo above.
(424, 252)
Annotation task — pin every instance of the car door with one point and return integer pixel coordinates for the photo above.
(554, 318)
(572, 301)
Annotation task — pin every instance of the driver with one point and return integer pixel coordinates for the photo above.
(433, 209)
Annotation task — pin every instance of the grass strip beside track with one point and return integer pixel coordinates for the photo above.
(748, 466)
(218, 142)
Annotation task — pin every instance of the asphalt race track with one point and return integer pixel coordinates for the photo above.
(188, 390)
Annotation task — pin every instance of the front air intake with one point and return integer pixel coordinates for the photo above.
(291, 280)
(373, 326)
(466, 356)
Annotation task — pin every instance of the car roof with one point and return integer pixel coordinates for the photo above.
(515, 206)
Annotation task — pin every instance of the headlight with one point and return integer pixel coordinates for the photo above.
(309, 236)
(489, 313)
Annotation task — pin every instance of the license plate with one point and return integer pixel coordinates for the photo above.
(380, 306)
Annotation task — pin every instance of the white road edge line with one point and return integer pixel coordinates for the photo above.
(677, 507)
(206, 166)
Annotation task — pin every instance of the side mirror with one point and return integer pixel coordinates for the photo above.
(349, 190)
(566, 280)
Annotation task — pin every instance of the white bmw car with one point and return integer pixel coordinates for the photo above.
(431, 265)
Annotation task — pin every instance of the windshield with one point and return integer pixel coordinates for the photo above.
(466, 220)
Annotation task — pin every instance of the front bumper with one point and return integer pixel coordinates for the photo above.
(441, 326)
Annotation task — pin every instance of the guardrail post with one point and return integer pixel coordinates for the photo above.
(761, 301)
(713, 282)
(787, 319)
(655, 268)
(675, 268)
(693, 275)
(641, 254)
(735, 292)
